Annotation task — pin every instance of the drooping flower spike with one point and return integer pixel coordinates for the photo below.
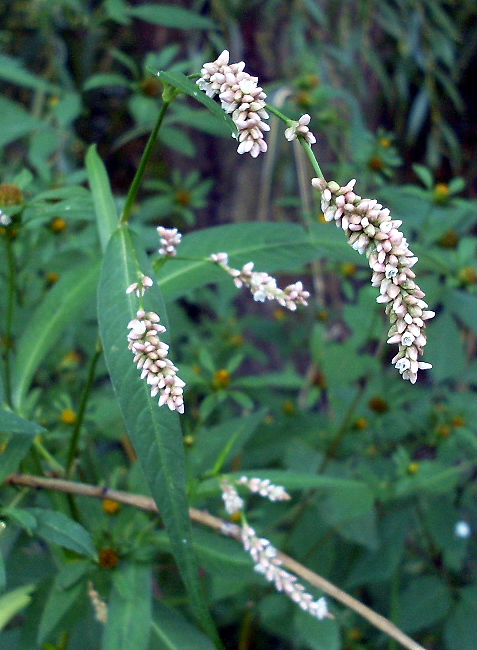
(263, 286)
(371, 230)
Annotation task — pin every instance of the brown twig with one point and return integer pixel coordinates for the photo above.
(225, 528)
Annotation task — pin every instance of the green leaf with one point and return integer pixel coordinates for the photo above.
(16, 122)
(432, 477)
(181, 82)
(171, 631)
(459, 632)
(106, 212)
(61, 306)
(129, 608)
(270, 246)
(155, 432)
(444, 343)
(317, 635)
(103, 80)
(61, 599)
(11, 70)
(59, 529)
(171, 16)
(3, 575)
(19, 516)
(13, 602)
(424, 602)
(16, 437)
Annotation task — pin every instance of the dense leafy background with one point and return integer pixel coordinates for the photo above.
(382, 473)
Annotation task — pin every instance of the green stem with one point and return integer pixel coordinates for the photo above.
(302, 141)
(54, 465)
(133, 190)
(9, 319)
(73, 448)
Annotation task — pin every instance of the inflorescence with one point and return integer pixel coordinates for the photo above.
(150, 354)
(371, 230)
(241, 96)
(263, 286)
(264, 555)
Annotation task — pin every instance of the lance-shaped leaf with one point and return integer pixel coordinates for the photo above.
(154, 431)
(105, 207)
(61, 305)
(129, 611)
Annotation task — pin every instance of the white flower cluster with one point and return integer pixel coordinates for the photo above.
(5, 219)
(140, 286)
(241, 96)
(300, 128)
(268, 563)
(263, 286)
(170, 240)
(264, 555)
(99, 606)
(150, 355)
(233, 503)
(371, 230)
(265, 488)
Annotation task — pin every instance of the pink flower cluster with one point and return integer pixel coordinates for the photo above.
(170, 240)
(371, 230)
(150, 355)
(263, 286)
(265, 488)
(241, 96)
(300, 128)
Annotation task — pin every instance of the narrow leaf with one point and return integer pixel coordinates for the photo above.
(56, 527)
(106, 212)
(13, 602)
(171, 631)
(60, 600)
(171, 16)
(129, 611)
(62, 304)
(155, 431)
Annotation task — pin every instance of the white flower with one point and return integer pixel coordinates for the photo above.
(140, 287)
(462, 530)
(242, 97)
(265, 488)
(170, 240)
(232, 501)
(300, 128)
(5, 219)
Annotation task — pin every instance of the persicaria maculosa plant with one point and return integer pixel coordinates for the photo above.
(150, 387)
(369, 229)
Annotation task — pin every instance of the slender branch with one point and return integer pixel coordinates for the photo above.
(133, 190)
(225, 528)
(73, 448)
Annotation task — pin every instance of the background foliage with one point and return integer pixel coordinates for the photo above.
(382, 472)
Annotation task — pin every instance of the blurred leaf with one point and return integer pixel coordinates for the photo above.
(3, 575)
(11, 70)
(317, 635)
(417, 115)
(183, 83)
(155, 432)
(60, 600)
(58, 528)
(171, 631)
(106, 212)
(16, 437)
(16, 122)
(61, 305)
(444, 343)
(424, 602)
(103, 80)
(432, 477)
(459, 631)
(171, 16)
(13, 602)
(129, 608)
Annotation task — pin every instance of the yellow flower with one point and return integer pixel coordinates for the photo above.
(68, 416)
